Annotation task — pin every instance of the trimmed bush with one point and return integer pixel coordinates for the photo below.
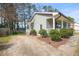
(64, 33)
(54, 35)
(33, 32)
(70, 32)
(43, 33)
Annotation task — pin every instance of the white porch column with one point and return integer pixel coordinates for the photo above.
(67, 25)
(62, 24)
(53, 22)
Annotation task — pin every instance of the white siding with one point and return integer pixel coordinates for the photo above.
(40, 20)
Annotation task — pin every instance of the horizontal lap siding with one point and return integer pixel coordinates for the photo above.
(40, 20)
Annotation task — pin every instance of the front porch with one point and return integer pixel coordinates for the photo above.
(52, 23)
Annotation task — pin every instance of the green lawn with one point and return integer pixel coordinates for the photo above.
(5, 39)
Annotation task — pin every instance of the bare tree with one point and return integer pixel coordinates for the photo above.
(9, 13)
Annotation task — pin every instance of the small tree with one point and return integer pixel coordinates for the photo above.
(70, 19)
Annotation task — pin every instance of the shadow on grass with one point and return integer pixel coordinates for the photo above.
(5, 46)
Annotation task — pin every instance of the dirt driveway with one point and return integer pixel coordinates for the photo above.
(23, 45)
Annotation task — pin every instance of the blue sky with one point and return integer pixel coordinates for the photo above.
(68, 9)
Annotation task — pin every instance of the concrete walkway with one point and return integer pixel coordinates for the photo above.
(23, 45)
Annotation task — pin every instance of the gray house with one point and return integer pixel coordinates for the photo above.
(48, 20)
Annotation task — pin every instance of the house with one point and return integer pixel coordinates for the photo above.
(48, 20)
(76, 27)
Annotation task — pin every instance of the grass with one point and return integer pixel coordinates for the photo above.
(5, 39)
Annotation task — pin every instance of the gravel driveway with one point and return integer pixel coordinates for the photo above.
(23, 45)
(70, 47)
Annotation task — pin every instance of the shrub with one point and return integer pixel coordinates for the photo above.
(33, 32)
(70, 32)
(15, 33)
(54, 35)
(43, 33)
(64, 33)
(18, 32)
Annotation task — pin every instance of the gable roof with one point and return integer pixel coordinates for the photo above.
(41, 13)
(46, 13)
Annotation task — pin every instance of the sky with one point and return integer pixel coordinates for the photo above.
(68, 9)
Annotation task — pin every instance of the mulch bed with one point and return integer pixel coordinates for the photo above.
(53, 43)
(49, 41)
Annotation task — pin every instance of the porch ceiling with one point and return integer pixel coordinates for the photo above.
(49, 19)
(62, 18)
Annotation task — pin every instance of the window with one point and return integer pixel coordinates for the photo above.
(32, 25)
(40, 26)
